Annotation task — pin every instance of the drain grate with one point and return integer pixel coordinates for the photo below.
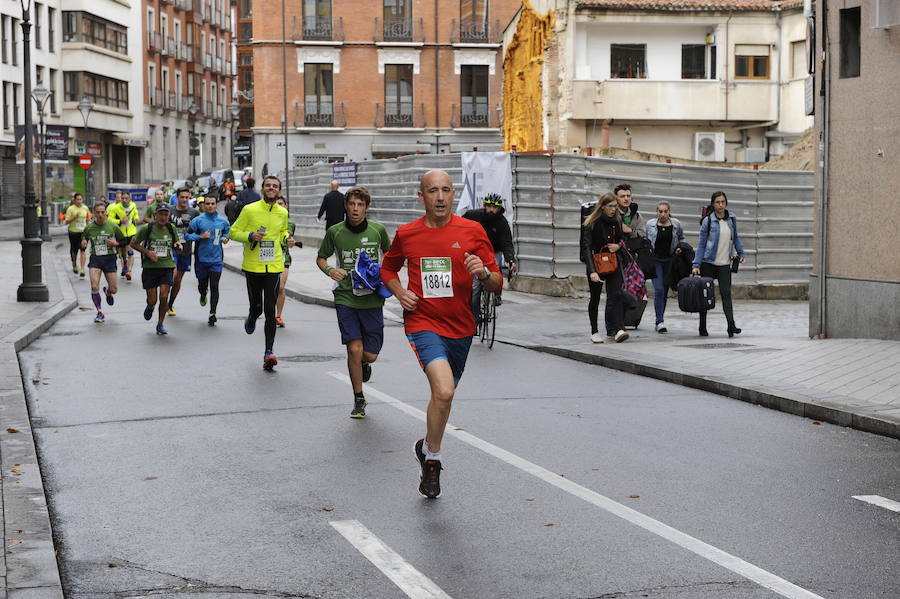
(312, 358)
(759, 349)
(64, 334)
(715, 345)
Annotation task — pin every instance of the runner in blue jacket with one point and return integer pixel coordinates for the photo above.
(210, 230)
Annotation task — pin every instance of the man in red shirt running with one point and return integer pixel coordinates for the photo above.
(442, 252)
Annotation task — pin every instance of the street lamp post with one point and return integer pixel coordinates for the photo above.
(85, 107)
(193, 109)
(33, 288)
(40, 95)
(235, 113)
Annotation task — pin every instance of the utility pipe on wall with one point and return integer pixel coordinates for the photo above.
(824, 148)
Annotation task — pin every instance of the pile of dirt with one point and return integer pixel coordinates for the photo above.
(800, 157)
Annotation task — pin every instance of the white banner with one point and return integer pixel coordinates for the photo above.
(484, 173)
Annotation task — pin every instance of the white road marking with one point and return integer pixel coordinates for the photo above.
(888, 504)
(412, 582)
(713, 554)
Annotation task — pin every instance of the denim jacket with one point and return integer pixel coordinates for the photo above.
(677, 237)
(709, 239)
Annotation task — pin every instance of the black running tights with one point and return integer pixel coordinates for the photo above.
(262, 289)
(594, 302)
(212, 283)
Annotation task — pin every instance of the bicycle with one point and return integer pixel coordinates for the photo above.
(487, 327)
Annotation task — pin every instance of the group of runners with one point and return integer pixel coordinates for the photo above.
(444, 255)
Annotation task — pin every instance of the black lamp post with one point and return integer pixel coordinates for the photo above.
(235, 113)
(32, 288)
(193, 109)
(40, 95)
(85, 107)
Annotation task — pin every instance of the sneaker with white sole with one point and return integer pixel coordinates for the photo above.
(621, 336)
(596, 338)
(661, 328)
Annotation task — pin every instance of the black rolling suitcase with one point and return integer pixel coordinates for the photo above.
(696, 294)
(634, 313)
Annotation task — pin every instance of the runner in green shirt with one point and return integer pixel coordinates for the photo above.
(77, 215)
(156, 243)
(359, 311)
(104, 237)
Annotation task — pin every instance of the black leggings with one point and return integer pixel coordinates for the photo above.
(615, 302)
(262, 289)
(211, 281)
(594, 303)
(722, 275)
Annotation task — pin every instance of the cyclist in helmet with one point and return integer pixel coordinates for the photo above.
(498, 232)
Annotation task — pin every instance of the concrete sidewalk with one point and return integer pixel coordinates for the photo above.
(850, 382)
(28, 566)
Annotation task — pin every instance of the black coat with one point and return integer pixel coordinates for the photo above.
(680, 266)
(594, 237)
(333, 208)
(497, 231)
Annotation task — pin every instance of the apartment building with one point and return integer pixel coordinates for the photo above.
(857, 118)
(187, 77)
(709, 81)
(369, 78)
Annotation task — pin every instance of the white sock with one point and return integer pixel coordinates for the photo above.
(430, 455)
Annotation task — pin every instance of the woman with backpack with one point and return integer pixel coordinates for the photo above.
(602, 235)
(715, 258)
(665, 234)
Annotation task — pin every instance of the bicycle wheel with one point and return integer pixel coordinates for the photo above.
(493, 319)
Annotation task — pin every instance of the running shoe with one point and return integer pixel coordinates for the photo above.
(279, 322)
(148, 312)
(161, 330)
(109, 297)
(171, 311)
(81, 273)
(127, 275)
(249, 325)
(430, 479)
(203, 299)
(367, 371)
(100, 317)
(75, 270)
(269, 361)
(359, 408)
(212, 320)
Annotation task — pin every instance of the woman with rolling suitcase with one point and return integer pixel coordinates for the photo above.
(600, 245)
(714, 259)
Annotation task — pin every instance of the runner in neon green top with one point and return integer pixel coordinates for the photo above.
(157, 243)
(104, 237)
(279, 303)
(125, 214)
(359, 311)
(77, 215)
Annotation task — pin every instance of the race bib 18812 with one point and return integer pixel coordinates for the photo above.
(437, 277)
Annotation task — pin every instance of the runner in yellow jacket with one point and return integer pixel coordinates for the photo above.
(125, 214)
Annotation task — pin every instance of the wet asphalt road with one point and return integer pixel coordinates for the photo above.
(175, 465)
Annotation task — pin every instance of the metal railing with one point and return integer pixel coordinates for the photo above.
(207, 61)
(171, 101)
(171, 47)
(218, 64)
(225, 23)
(229, 68)
(156, 96)
(315, 28)
(185, 52)
(184, 5)
(207, 11)
(154, 41)
(400, 115)
(321, 114)
(467, 31)
(474, 116)
(399, 30)
(199, 8)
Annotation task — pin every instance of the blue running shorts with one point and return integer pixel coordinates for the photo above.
(361, 323)
(430, 346)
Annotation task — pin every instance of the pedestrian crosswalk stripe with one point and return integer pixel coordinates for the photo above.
(412, 582)
(888, 504)
(684, 540)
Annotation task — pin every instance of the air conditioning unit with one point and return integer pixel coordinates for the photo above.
(886, 14)
(709, 147)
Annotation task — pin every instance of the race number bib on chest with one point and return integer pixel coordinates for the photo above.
(267, 250)
(80, 223)
(100, 246)
(161, 247)
(437, 277)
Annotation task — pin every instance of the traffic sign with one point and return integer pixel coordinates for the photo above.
(194, 152)
(85, 161)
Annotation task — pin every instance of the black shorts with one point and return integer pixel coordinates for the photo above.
(104, 263)
(152, 278)
(126, 244)
(74, 243)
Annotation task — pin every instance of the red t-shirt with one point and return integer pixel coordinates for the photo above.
(445, 305)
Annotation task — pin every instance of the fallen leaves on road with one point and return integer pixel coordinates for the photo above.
(633, 496)
(150, 477)
(327, 509)
(10, 543)
(816, 422)
(16, 471)
(387, 451)
(112, 565)
(13, 430)
(595, 469)
(549, 524)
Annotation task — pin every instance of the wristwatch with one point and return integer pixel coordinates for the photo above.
(487, 274)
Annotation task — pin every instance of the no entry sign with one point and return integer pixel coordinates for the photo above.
(85, 161)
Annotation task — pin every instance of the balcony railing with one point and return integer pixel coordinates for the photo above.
(229, 69)
(207, 11)
(185, 52)
(322, 29)
(208, 61)
(470, 115)
(399, 30)
(183, 4)
(199, 8)
(319, 115)
(171, 101)
(171, 47)
(165, 1)
(468, 31)
(217, 64)
(225, 21)
(156, 97)
(209, 109)
(400, 114)
(154, 41)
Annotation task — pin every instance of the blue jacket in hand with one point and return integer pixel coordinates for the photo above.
(367, 275)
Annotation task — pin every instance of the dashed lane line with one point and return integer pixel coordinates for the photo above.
(412, 582)
(888, 504)
(726, 560)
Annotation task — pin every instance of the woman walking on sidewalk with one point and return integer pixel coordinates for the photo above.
(718, 241)
(604, 233)
(664, 233)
